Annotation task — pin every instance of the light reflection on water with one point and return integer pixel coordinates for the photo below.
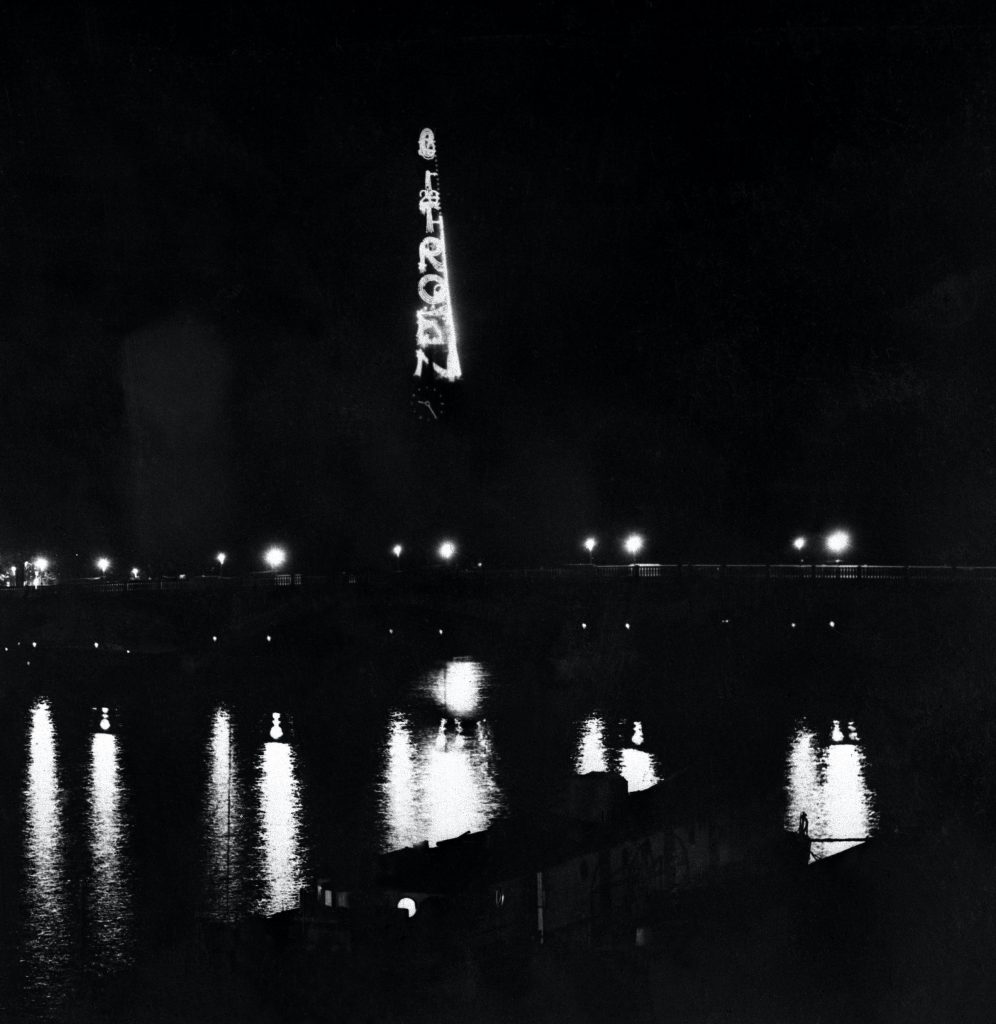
(826, 781)
(438, 780)
(592, 755)
(637, 767)
(223, 822)
(109, 896)
(46, 948)
(279, 839)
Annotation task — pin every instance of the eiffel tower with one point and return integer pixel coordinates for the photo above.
(436, 355)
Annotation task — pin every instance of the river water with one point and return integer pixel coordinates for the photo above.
(121, 822)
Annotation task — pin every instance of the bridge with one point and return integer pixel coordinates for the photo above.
(726, 572)
(562, 609)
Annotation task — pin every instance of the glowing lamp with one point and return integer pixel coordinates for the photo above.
(799, 543)
(408, 904)
(396, 550)
(633, 543)
(220, 557)
(838, 542)
(447, 550)
(275, 558)
(41, 564)
(103, 564)
(275, 731)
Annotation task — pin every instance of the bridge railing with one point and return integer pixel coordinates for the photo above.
(732, 572)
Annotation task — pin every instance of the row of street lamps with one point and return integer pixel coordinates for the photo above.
(446, 551)
(274, 557)
(836, 543)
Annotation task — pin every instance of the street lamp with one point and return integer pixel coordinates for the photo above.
(135, 573)
(396, 551)
(838, 542)
(799, 543)
(589, 546)
(220, 559)
(447, 550)
(275, 558)
(103, 564)
(633, 544)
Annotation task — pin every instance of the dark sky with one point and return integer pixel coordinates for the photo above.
(722, 285)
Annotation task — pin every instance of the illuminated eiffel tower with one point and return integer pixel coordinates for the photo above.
(436, 356)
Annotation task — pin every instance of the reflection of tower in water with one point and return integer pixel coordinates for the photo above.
(438, 781)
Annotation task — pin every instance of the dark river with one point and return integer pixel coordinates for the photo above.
(126, 818)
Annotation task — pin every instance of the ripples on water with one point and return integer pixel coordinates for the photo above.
(438, 777)
(281, 860)
(826, 781)
(47, 940)
(224, 833)
(258, 839)
(638, 767)
(109, 891)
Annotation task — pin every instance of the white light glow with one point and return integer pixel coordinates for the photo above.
(221, 557)
(46, 891)
(434, 323)
(41, 564)
(110, 895)
(223, 820)
(592, 755)
(276, 732)
(105, 722)
(279, 841)
(633, 543)
(275, 557)
(406, 903)
(427, 144)
(638, 769)
(447, 550)
(827, 781)
(134, 573)
(799, 543)
(396, 550)
(838, 542)
(103, 564)
(457, 687)
(438, 780)
(589, 544)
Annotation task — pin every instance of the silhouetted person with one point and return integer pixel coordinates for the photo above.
(803, 823)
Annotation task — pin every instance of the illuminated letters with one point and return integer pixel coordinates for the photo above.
(427, 144)
(434, 324)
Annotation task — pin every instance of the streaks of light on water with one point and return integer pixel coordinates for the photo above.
(825, 779)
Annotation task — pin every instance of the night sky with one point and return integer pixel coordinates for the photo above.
(722, 285)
